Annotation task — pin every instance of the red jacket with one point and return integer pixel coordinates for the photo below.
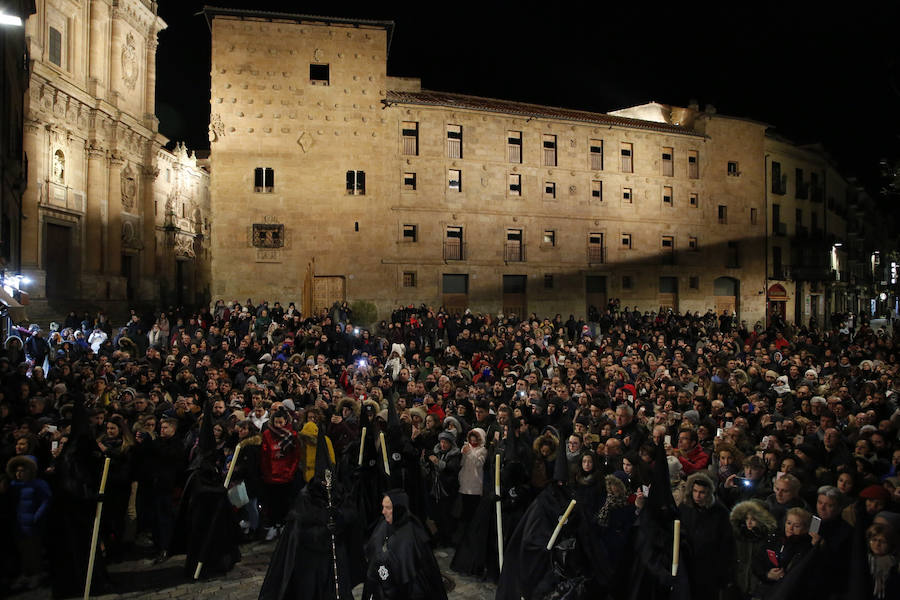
(694, 461)
(278, 469)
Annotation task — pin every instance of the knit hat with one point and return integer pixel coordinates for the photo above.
(875, 492)
(693, 416)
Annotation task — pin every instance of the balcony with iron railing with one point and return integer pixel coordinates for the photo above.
(514, 252)
(782, 272)
(454, 250)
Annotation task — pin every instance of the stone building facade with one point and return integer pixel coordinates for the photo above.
(331, 181)
(97, 229)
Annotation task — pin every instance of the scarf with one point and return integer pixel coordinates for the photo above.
(613, 502)
(284, 440)
(880, 567)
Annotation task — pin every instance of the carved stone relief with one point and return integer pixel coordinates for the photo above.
(268, 235)
(216, 127)
(129, 62)
(129, 188)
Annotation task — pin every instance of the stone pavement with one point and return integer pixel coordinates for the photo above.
(147, 581)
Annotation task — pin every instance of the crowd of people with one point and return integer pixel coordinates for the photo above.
(776, 447)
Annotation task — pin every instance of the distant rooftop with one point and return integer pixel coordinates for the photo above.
(524, 109)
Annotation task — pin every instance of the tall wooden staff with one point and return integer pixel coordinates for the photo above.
(96, 533)
(499, 516)
(237, 451)
(337, 584)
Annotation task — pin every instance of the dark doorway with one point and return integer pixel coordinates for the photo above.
(514, 299)
(595, 293)
(58, 260)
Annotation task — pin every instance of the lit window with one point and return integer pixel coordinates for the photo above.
(454, 179)
(549, 238)
(264, 180)
(356, 183)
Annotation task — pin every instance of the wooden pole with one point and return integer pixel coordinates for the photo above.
(676, 546)
(237, 451)
(499, 514)
(96, 534)
(562, 521)
(387, 465)
(362, 445)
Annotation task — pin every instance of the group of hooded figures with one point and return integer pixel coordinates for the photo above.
(360, 522)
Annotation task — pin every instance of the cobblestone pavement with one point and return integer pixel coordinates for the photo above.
(163, 582)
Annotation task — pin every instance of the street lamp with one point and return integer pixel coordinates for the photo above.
(10, 20)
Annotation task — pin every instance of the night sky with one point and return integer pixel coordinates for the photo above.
(832, 78)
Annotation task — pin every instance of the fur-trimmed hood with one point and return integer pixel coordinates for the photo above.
(350, 402)
(758, 510)
(253, 440)
(700, 476)
(548, 437)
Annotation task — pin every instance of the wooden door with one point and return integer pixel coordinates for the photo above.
(326, 291)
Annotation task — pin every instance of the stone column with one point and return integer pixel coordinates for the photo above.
(116, 42)
(148, 220)
(114, 223)
(150, 83)
(95, 210)
(98, 65)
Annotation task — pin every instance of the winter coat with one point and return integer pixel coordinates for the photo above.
(32, 495)
(444, 474)
(471, 472)
(707, 531)
(749, 542)
(247, 468)
(275, 468)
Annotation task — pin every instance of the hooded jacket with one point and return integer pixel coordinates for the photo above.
(309, 436)
(748, 542)
(471, 473)
(710, 542)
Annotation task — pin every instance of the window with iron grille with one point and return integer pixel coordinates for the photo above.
(410, 138)
(514, 146)
(454, 141)
(549, 146)
(597, 155)
(409, 279)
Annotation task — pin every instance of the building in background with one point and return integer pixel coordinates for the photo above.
(110, 216)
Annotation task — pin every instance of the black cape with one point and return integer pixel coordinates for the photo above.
(400, 562)
(302, 565)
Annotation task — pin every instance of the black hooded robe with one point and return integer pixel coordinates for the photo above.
(401, 565)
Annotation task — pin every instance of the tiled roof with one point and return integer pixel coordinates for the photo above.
(523, 109)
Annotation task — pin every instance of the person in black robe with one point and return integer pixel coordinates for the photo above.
(207, 528)
(364, 480)
(400, 563)
(75, 484)
(303, 564)
(576, 566)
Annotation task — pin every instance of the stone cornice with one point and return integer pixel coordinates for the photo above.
(136, 14)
